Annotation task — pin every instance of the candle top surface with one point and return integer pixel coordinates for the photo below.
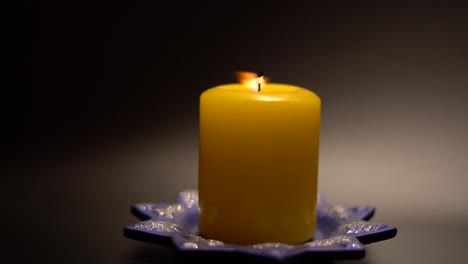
(269, 92)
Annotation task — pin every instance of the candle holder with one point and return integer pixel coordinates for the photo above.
(341, 232)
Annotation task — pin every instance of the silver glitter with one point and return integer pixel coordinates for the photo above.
(169, 211)
(325, 209)
(357, 228)
(274, 249)
(190, 245)
(200, 241)
(189, 198)
(271, 246)
(334, 242)
(339, 212)
(158, 226)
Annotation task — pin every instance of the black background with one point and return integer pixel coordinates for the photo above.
(108, 115)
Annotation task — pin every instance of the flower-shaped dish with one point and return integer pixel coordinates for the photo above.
(341, 231)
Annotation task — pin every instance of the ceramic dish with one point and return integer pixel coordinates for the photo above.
(342, 231)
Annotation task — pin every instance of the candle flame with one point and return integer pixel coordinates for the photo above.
(251, 79)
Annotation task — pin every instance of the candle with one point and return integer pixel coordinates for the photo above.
(258, 162)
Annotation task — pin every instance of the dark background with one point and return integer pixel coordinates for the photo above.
(109, 115)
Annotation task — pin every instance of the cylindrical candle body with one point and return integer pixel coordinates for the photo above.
(258, 163)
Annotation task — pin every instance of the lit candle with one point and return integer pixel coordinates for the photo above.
(258, 162)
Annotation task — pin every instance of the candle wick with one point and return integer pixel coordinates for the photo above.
(259, 75)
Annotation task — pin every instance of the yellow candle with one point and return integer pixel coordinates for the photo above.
(258, 163)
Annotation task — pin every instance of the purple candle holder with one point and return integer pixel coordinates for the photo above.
(341, 232)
